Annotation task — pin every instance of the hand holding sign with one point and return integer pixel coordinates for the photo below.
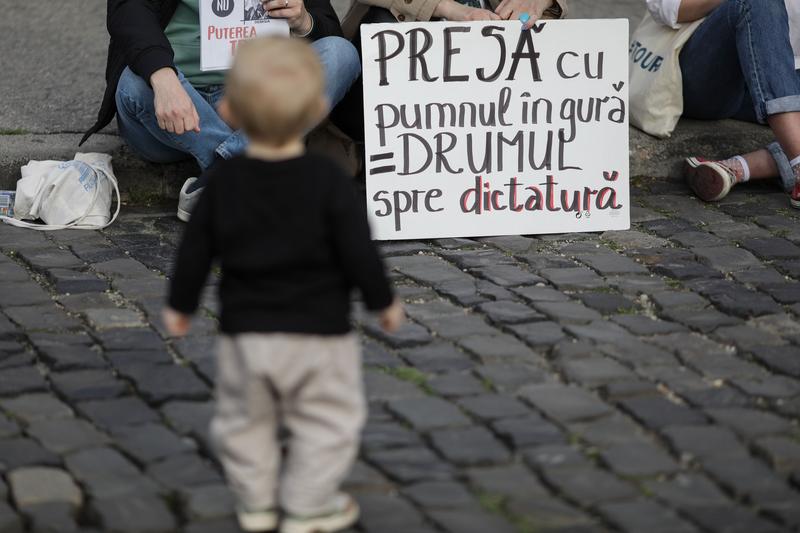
(512, 9)
(294, 11)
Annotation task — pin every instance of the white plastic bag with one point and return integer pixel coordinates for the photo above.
(656, 93)
(73, 194)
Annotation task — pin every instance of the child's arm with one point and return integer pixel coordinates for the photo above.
(358, 256)
(193, 263)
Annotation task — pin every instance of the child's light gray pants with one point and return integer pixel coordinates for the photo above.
(309, 384)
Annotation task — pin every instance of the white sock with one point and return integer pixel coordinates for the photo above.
(745, 167)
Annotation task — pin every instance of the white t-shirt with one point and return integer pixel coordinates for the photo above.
(666, 12)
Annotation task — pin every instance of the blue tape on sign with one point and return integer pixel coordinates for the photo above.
(524, 18)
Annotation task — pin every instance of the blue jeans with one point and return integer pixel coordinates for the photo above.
(740, 64)
(137, 119)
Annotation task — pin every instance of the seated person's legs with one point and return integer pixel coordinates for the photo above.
(747, 74)
(140, 129)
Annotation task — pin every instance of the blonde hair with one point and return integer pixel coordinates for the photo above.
(275, 88)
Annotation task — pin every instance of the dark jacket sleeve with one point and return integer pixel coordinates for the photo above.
(195, 254)
(135, 27)
(326, 23)
(362, 265)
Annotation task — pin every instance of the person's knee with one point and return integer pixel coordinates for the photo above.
(132, 91)
(340, 57)
(771, 10)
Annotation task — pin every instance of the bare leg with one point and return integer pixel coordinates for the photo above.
(786, 127)
(762, 164)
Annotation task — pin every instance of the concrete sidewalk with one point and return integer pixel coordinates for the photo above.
(53, 83)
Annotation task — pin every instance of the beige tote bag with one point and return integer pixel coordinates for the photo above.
(656, 90)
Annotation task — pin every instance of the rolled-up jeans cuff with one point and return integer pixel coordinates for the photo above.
(784, 104)
(232, 146)
(785, 169)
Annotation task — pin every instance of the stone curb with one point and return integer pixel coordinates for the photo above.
(145, 183)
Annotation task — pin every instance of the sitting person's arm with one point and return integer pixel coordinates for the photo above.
(423, 10)
(674, 12)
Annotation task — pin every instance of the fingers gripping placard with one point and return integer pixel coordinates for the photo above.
(477, 128)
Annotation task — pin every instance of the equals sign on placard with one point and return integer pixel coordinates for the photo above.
(382, 169)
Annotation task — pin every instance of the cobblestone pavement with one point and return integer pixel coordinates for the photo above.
(639, 381)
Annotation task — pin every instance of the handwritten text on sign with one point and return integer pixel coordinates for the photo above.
(479, 128)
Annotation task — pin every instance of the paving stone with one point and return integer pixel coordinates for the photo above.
(769, 248)
(489, 407)
(645, 515)
(686, 490)
(43, 259)
(509, 312)
(8, 428)
(739, 301)
(657, 412)
(783, 292)
(55, 517)
(209, 502)
(438, 357)
(65, 435)
(409, 334)
(496, 348)
(46, 339)
(72, 357)
(747, 336)
(773, 387)
(106, 474)
(102, 319)
(539, 334)
(611, 263)
(641, 325)
(589, 486)
(730, 519)
(109, 413)
(456, 385)
(606, 303)
(18, 452)
(23, 293)
(382, 387)
(727, 258)
(593, 372)
(189, 418)
(507, 275)
(32, 407)
(140, 513)
(685, 270)
(565, 403)
(128, 339)
(750, 423)
(782, 453)
(705, 442)
(668, 227)
(132, 363)
(439, 495)
(388, 512)
(83, 385)
(696, 239)
(66, 281)
(183, 471)
(702, 320)
(378, 436)
(10, 522)
(575, 278)
(748, 477)
(669, 299)
(600, 332)
(456, 327)
(469, 521)
(160, 383)
(766, 278)
(781, 359)
(636, 239)
(150, 442)
(427, 413)
(509, 377)
(469, 446)
(607, 432)
(41, 317)
(36, 485)
(125, 268)
(528, 431)
(638, 459)
(407, 465)
(541, 294)
(567, 312)
(14, 381)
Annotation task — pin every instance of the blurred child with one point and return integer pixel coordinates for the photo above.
(292, 241)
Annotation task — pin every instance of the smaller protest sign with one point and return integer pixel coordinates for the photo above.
(223, 23)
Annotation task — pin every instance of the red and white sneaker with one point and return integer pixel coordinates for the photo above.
(711, 181)
(795, 199)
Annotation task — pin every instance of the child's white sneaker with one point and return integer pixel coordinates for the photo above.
(344, 515)
(187, 200)
(263, 520)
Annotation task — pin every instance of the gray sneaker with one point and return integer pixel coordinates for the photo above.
(187, 201)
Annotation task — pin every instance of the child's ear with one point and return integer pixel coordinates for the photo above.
(226, 114)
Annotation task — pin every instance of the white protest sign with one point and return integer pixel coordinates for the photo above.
(223, 23)
(478, 128)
